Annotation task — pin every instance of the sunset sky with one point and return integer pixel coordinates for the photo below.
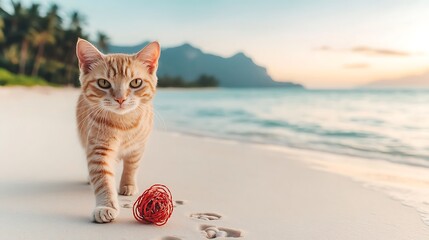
(320, 43)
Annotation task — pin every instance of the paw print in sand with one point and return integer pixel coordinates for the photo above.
(210, 232)
(206, 216)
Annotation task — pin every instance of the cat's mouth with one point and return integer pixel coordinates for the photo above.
(121, 109)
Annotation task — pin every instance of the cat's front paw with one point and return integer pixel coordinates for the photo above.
(103, 214)
(128, 190)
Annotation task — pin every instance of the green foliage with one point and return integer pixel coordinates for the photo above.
(39, 44)
(206, 81)
(201, 81)
(8, 78)
(167, 81)
(1, 29)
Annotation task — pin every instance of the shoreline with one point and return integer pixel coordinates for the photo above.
(359, 169)
(424, 164)
(259, 191)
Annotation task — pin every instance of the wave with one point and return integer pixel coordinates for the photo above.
(311, 129)
(371, 124)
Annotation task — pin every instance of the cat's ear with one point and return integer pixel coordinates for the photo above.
(149, 56)
(87, 54)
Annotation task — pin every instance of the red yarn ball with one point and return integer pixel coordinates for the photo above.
(155, 205)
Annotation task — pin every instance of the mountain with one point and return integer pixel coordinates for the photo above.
(414, 81)
(190, 62)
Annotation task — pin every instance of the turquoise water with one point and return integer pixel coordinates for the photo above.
(384, 124)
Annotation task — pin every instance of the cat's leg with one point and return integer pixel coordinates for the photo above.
(128, 185)
(101, 173)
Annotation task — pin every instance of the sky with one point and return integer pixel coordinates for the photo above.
(319, 43)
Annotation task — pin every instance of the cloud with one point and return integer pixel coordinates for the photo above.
(379, 51)
(356, 65)
(366, 50)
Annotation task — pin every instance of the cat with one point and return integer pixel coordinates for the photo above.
(114, 118)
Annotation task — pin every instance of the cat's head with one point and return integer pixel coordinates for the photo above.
(119, 83)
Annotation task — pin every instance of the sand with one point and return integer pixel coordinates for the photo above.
(246, 190)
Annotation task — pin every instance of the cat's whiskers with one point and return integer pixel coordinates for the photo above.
(86, 111)
(91, 116)
(82, 99)
(81, 124)
(159, 117)
(93, 122)
(156, 114)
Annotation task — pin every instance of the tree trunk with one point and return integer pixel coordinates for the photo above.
(23, 56)
(70, 67)
(39, 55)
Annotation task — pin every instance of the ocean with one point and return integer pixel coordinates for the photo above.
(390, 125)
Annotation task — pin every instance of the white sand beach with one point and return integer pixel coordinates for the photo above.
(258, 192)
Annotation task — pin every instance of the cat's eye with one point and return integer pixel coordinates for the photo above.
(136, 83)
(103, 83)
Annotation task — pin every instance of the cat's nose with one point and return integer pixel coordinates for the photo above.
(120, 100)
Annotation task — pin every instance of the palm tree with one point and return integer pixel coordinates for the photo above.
(11, 54)
(40, 39)
(17, 17)
(76, 21)
(46, 36)
(26, 35)
(18, 12)
(1, 23)
(75, 31)
(23, 21)
(1, 29)
(103, 41)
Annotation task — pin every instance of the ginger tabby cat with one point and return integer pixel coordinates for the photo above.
(114, 116)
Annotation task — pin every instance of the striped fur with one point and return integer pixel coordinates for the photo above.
(110, 131)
